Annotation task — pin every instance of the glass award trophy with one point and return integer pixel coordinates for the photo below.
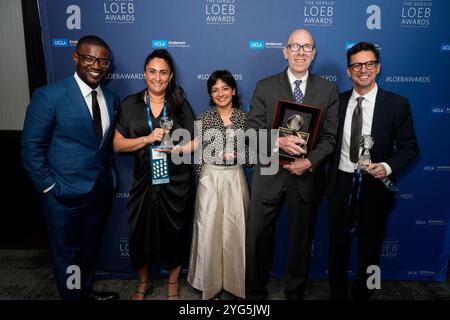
(166, 123)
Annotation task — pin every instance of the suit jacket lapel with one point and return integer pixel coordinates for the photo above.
(285, 86)
(110, 107)
(343, 106)
(311, 91)
(344, 99)
(78, 104)
(284, 92)
(378, 113)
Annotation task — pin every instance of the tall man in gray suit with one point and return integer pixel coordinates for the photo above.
(301, 182)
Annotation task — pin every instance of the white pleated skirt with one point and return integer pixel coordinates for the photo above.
(217, 259)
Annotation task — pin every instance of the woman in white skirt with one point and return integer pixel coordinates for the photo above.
(217, 260)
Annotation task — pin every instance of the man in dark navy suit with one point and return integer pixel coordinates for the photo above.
(386, 117)
(67, 152)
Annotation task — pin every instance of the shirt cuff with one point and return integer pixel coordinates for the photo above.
(387, 167)
(49, 188)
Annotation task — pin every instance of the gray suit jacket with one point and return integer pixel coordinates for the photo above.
(320, 93)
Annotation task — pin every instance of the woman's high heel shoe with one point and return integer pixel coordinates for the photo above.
(173, 296)
(141, 295)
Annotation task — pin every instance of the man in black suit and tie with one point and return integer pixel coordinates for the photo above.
(301, 182)
(386, 117)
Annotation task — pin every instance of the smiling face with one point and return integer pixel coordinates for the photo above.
(222, 94)
(299, 61)
(363, 79)
(157, 76)
(93, 74)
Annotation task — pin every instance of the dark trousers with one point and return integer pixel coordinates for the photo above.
(261, 224)
(75, 232)
(374, 203)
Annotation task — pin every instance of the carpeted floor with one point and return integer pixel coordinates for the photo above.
(27, 275)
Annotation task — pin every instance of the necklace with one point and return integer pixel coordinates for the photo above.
(157, 101)
(226, 118)
(160, 101)
(224, 113)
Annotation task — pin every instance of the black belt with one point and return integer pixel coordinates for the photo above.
(344, 173)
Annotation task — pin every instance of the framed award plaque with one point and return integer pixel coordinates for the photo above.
(299, 119)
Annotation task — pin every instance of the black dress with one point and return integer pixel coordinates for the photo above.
(159, 216)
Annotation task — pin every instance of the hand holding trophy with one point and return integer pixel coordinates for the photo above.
(295, 124)
(229, 154)
(166, 123)
(367, 143)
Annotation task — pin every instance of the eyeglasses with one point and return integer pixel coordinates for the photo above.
(369, 65)
(294, 47)
(90, 60)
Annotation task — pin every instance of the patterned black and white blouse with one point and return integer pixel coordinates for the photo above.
(217, 138)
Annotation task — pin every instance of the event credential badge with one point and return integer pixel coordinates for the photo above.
(160, 167)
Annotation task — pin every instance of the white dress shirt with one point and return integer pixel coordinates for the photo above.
(292, 79)
(86, 92)
(368, 107)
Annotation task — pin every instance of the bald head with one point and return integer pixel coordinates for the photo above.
(301, 34)
(299, 52)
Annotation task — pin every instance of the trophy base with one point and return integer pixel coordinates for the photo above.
(165, 149)
(283, 161)
(285, 158)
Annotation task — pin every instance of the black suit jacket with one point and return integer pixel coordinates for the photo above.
(319, 92)
(392, 130)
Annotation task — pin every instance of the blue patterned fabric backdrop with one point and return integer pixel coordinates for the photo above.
(246, 37)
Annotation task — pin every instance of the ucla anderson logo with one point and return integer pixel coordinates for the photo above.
(60, 43)
(437, 110)
(348, 45)
(164, 44)
(252, 44)
(160, 44)
(260, 44)
(445, 47)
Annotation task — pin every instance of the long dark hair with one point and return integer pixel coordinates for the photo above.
(228, 78)
(174, 94)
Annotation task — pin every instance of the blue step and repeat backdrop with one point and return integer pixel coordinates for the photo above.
(247, 37)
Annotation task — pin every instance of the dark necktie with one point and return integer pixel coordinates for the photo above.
(298, 94)
(96, 115)
(356, 131)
